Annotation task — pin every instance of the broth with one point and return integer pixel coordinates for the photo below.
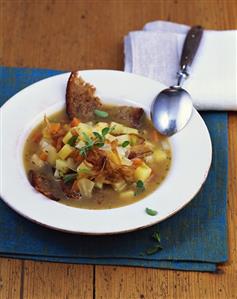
(107, 197)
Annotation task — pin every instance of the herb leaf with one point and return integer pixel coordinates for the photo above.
(151, 212)
(84, 150)
(99, 144)
(69, 177)
(154, 249)
(156, 236)
(101, 113)
(87, 139)
(125, 143)
(72, 140)
(98, 136)
(157, 245)
(140, 184)
(139, 187)
(105, 131)
(88, 146)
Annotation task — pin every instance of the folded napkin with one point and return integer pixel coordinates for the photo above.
(193, 239)
(155, 51)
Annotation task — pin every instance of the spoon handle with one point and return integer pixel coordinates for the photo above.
(190, 47)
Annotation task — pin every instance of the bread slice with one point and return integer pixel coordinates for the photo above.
(81, 102)
(80, 98)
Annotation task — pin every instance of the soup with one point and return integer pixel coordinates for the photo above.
(102, 163)
(95, 156)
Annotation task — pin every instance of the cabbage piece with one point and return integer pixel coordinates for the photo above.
(50, 150)
(61, 166)
(119, 186)
(37, 161)
(118, 129)
(86, 187)
(83, 168)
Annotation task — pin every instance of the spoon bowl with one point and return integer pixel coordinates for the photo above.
(172, 109)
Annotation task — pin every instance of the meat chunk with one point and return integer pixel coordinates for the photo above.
(81, 102)
(80, 98)
(51, 188)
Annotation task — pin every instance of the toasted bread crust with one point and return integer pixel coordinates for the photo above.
(80, 98)
(81, 102)
(130, 115)
(51, 189)
(42, 184)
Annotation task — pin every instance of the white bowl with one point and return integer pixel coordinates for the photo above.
(191, 152)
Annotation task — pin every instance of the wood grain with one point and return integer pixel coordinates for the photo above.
(10, 278)
(87, 34)
(54, 280)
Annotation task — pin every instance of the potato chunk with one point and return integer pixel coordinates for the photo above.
(142, 172)
(65, 151)
(126, 194)
(67, 137)
(159, 155)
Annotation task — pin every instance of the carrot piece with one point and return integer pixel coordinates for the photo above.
(74, 132)
(37, 137)
(76, 157)
(54, 128)
(137, 162)
(75, 187)
(75, 121)
(43, 156)
(154, 136)
(114, 144)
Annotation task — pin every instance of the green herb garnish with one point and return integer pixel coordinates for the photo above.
(69, 177)
(89, 144)
(99, 144)
(156, 246)
(101, 137)
(98, 136)
(101, 113)
(139, 187)
(154, 249)
(125, 143)
(151, 212)
(72, 141)
(83, 151)
(156, 236)
(87, 139)
(105, 131)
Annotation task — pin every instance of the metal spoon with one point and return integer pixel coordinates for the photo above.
(172, 108)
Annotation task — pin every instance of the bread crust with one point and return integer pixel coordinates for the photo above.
(50, 188)
(81, 102)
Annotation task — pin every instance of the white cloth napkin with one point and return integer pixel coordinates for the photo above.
(155, 52)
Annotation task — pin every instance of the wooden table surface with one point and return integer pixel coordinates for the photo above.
(69, 35)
